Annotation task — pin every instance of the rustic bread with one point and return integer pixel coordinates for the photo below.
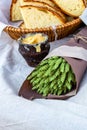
(42, 4)
(15, 11)
(15, 14)
(38, 17)
(71, 7)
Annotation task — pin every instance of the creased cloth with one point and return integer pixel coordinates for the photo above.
(17, 113)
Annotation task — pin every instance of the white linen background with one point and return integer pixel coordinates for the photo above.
(17, 113)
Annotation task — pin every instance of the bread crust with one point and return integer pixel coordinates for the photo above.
(45, 8)
(22, 25)
(11, 7)
(66, 12)
(14, 1)
(41, 1)
(56, 10)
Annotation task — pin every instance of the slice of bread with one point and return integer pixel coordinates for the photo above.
(38, 17)
(15, 11)
(42, 4)
(71, 7)
(15, 14)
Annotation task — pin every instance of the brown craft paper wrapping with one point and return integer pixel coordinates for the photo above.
(78, 66)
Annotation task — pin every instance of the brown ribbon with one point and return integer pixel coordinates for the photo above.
(80, 37)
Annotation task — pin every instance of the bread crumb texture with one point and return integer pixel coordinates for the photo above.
(39, 17)
(71, 7)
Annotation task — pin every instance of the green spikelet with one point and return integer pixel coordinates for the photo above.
(40, 74)
(44, 62)
(52, 76)
(35, 87)
(63, 77)
(57, 63)
(67, 68)
(46, 80)
(62, 67)
(59, 92)
(47, 72)
(32, 75)
(52, 84)
(36, 81)
(71, 77)
(43, 68)
(68, 85)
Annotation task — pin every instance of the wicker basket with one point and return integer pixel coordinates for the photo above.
(61, 30)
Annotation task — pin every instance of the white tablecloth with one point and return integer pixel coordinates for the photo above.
(17, 113)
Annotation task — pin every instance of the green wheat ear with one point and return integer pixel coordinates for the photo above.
(52, 76)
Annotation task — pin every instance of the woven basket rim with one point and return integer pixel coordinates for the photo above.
(18, 29)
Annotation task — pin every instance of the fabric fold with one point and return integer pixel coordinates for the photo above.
(2, 26)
